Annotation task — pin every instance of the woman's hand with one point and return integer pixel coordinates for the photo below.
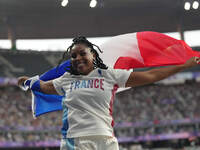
(193, 61)
(21, 80)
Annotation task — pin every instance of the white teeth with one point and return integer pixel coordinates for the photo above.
(80, 64)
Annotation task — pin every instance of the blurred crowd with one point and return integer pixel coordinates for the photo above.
(16, 120)
(15, 112)
(158, 102)
(154, 103)
(158, 109)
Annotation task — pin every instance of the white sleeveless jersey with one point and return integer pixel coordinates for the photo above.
(88, 99)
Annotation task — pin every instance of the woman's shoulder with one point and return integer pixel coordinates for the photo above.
(111, 70)
(116, 72)
(106, 72)
(66, 74)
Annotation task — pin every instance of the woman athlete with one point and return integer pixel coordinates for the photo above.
(89, 90)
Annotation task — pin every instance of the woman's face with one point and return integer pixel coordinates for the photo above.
(82, 59)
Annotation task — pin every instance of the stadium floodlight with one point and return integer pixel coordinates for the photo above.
(195, 5)
(187, 6)
(93, 3)
(64, 3)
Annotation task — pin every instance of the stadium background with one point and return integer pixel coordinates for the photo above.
(163, 116)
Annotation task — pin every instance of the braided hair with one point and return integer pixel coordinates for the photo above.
(98, 62)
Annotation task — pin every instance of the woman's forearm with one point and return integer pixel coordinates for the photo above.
(151, 76)
(43, 86)
(162, 73)
(47, 87)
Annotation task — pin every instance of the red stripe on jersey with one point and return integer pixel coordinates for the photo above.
(115, 87)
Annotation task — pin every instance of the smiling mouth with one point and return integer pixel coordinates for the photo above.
(80, 64)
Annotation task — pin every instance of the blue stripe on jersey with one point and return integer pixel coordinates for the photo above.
(64, 121)
(70, 143)
(100, 72)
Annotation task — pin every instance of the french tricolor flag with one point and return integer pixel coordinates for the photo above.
(127, 51)
(145, 49)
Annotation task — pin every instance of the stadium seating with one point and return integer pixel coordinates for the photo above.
(18, 63)
(143, 112)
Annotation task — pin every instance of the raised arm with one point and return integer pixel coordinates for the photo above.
(45, 86)
(151, 76)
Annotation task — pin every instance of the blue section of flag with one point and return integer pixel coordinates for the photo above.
(56, 71)
(44, 103)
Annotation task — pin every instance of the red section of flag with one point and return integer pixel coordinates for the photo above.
(128, 63)
(157, 49)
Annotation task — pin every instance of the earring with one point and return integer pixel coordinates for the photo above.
(94, 63)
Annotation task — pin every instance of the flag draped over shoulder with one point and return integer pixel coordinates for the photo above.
(133, 50)
(44, 103)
